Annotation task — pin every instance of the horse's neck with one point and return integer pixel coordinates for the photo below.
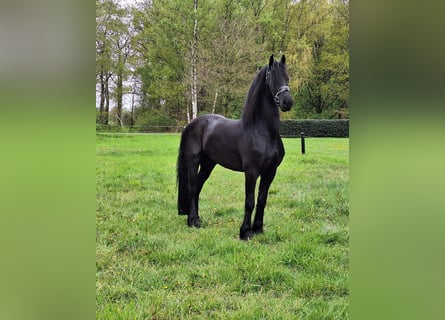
(271, 118)
(267, 118)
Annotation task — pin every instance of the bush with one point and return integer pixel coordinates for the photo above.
(315, 128)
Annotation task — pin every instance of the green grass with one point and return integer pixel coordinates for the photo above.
(150, 265)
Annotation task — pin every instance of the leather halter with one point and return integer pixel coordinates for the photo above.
(282, 89)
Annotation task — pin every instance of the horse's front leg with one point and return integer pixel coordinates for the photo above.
(246, 228)
(266, 180)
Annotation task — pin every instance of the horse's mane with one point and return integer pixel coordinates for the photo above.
(253, 96)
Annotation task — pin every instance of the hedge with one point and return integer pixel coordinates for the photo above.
(288, 128)
(315, 128)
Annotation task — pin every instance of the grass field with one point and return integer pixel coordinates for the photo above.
(150, 265)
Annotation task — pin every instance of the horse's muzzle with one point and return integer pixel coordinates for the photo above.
(286, 102)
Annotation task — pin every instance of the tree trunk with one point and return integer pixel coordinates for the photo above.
(102, 96)
(214, 101)
(107, 101)
(194, 93)
(132, 105)
(119, 93)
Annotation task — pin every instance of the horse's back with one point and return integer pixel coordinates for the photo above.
(205, 122)
(219, 139)
(210, 129)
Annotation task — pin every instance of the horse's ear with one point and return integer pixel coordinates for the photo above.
(271, 60)
(283, 59)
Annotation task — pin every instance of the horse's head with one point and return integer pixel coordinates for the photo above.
(277, 79)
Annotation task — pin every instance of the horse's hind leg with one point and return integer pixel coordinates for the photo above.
(266, 180)
(205, 169)
(192, 187)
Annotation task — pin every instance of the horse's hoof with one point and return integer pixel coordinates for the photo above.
(194, 223)
(246, 235)
(258, 230)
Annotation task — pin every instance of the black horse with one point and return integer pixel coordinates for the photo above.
(251, 145)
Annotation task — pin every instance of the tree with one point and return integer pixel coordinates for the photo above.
(321, 58)
(104, 70)
(328, 89)
(193, 67)
(182, 58)
(121, 45)
(163, 46)
(228, 59)
(113, 49)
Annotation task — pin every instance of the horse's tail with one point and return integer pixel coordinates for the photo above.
(182, 179)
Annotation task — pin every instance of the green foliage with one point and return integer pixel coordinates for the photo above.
(227, 62)
(234, 39)
(315, 128)
(322, 60)
(150, 265)
(152, 116)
